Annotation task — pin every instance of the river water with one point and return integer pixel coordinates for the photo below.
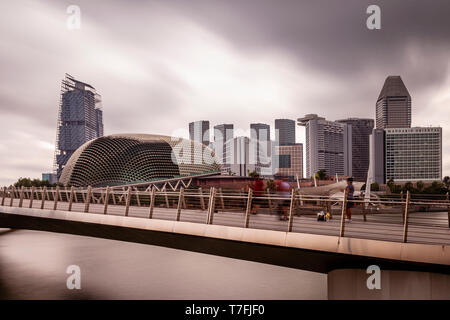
(33, 266)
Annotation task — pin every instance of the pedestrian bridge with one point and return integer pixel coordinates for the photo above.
(411, 247)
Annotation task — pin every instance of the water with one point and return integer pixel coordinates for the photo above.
(33, 266)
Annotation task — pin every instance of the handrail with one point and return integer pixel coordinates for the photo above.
(184, 200)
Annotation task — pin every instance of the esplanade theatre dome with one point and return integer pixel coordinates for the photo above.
(135, 158)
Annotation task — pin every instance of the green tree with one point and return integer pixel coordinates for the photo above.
(375, 186)
(408, 187)
(420, 185)
(391, 185)
(321, 174)
(253, 174)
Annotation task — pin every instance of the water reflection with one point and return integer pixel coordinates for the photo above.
(33, 266)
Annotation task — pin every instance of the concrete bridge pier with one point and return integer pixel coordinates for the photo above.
(351, 284)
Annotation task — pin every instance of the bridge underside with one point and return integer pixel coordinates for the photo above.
(260, 246)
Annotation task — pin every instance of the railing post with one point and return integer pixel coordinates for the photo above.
(180, 203)
(33, 188)
(83, 196)
(55, 200)
(448, 210)
(106, 201)
(405, 224)
(249, 208)
(211, 205)
(127, 204)
(166, 197)
(137, 197)
(72, 195)
(152, 202)
(67, 193)
(87, 199)
(22, 189)
(113, 196)
(364, 209)
(202, 200)
(13, 190)
(403, 206)
(4, 196)
(269, 201)
(291, 211)
(344, 209)
(44, 194)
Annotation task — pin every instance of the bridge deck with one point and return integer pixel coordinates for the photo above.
(424, 227)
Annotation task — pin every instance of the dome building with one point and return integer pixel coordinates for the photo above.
(122, 159)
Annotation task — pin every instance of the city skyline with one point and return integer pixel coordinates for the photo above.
(226, 77)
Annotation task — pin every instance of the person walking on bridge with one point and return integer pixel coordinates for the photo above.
(350, 204)
(258, 191)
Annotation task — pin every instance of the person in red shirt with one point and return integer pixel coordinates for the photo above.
(258, 191)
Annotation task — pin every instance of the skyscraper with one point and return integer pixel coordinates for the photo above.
(413, 154)
(80, 119)
(199, 131)
(222, 134)
(290, 161)
(393, 107)
(328, 146)
(284, 132)
(260, 136)
(239, 157)
(377, 156)
(360, 133)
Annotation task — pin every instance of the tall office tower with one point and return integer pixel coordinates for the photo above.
(413, 154)
(377, 156)
(393, 107)
(239, 156)
(260, 136)
(199, 131)
(361, 131)
(80, 119)
(284, 132)
(99, 119)
(222, 134)
(328, 146)
(290, 161)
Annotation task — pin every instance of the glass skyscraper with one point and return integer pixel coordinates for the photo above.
(80, 119)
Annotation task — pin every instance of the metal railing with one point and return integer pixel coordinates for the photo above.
(197, 204)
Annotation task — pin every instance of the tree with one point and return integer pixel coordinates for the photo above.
(446, 181)
(253, 174)
(375, 186)
(391, 185)
(321, 174)
(409, 187)
(420, 185)
(27, 183)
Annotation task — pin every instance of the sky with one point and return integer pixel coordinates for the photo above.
(161, 64)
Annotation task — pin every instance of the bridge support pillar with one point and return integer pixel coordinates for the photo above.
(351, 284)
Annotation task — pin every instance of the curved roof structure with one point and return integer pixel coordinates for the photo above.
(136, 158)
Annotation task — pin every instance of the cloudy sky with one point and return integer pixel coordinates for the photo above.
(161, 64)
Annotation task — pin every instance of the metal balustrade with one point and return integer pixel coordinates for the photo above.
(389, 217)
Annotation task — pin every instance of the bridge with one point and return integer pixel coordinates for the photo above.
(408, 237)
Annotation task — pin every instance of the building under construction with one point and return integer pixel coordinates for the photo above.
(80, 119)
